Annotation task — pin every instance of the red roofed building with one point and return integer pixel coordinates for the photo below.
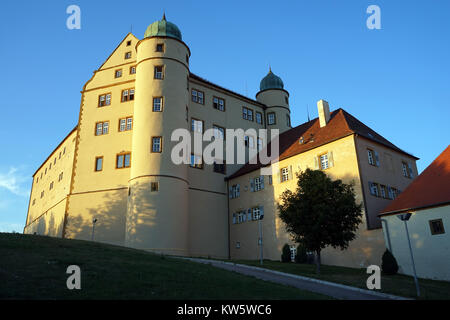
(344, 148)
(428, 199)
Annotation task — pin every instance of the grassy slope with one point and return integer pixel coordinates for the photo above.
(399, 284)
(34, 267)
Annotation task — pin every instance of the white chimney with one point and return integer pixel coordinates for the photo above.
(324, 112)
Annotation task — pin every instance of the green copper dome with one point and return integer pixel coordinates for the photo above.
(163, 28)
(271, 81)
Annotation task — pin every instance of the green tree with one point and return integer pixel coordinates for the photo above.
(286, 253)
(301, 256)
(388, 263)
(320, 213)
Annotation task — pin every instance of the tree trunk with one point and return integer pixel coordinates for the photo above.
(318, 261)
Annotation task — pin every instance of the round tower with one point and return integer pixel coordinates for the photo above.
(273, 95)
(157, 213)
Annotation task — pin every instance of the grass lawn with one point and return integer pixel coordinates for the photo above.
(34, 267)
(399, 284)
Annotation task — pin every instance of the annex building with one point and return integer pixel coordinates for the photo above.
(115, 165)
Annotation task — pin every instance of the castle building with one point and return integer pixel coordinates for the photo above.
(115, 166)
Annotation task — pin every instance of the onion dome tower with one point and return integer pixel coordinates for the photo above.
(276, 98)
(157, 212)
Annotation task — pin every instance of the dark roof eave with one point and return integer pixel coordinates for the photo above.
(432, 205)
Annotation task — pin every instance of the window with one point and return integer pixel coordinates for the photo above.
(157, 144)
(219, 167)
(374, 189)
(288, 120)
(197, 96)
(234, 191)
(238, 245)
(284, 174)
(128, 55)
(249, 142)
(196, 125)
(60, 177)
(159, 72)
(406, 169)
(123, 160)
(247, 114)
(256, 214)
(270, 179)
(258, 116)
(154, 186)
(128, 95)
(159, 47)
(219, 132)
(42, 194)
(257, 184)
(128, 43)
(219, 104)
(286, 99)
(271, 118)
(50, 166)
(437, 227)
(370, 156)
(133, 70)
(157, 104)
(196, 161)
(293, 253)
(51, 186)
(104, 100)
(34, 201)
(37, 179)
(383, 191)
(99, 164)
(118, 73)
(390, 193)
(260, 144)
(324, 161)
(101, 128)
(59, 155)
(125, 124)
(54, 161)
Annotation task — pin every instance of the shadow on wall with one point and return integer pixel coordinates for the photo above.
(109, 208)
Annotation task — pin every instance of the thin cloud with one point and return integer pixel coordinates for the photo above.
(13, 181)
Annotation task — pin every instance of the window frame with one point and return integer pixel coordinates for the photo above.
(128, 55)
(160, 144)
(128, 95)
(103, 128)
(124, 154)
(282, 174)
(215, 126)
(320, 161)
(115, 73)
(260, 116)
(160, 45)
(199, 120)
(131, 68)
(196, 95)
(104, 95)
(155, 72)
(371, 156)
(161, 104)
(96, 162)
(432, 229)
(218, 103)
(274, 118)
(126, 124)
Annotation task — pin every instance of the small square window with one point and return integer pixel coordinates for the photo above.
(128, 43)
(271, 118)
(128, 55)
(437, 227)
(154, 186)
(160, 47)
(118, 73)
(133, 70)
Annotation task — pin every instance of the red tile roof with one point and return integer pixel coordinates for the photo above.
(340, 125)
(431, 188)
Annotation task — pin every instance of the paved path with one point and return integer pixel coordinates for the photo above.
(335, 290)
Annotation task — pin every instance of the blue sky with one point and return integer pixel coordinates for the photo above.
(395, 80)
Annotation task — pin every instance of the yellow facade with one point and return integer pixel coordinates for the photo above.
(190, 212)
